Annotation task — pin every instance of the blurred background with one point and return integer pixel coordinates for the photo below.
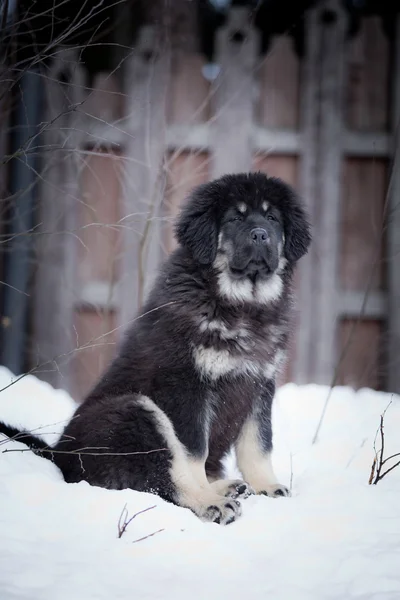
(112, 110)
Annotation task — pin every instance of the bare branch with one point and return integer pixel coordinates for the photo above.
(390, 457)
(82, 451)
(123, 520)
(376, 474)
(371, 477)
(147, 536)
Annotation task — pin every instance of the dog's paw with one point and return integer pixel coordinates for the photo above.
(232, 488)
(275, 490)
(223, 512)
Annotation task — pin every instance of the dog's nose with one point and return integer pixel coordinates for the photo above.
(259, 236)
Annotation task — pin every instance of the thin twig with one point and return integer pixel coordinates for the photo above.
(391, 469)
(81, 451)
(291, 472)
(123, 520)
(147, 536)
(376, 474)
(389, 457)
(371, 477)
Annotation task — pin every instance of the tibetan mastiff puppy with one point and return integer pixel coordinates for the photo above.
(195, 375)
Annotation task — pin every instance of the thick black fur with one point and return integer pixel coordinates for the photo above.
(156, 358)
(32, 441)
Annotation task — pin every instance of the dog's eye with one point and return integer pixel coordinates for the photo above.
(271, 217)
(237, 218)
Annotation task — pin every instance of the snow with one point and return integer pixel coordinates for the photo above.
(337, 537)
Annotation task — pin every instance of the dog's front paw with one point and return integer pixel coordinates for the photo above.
(275, 490)
(223, 512)
(233, 488)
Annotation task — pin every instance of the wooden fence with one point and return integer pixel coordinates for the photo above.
(125, 159)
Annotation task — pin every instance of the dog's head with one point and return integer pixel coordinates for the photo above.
(248, 220)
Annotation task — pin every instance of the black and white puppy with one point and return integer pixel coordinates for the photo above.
(195, 375)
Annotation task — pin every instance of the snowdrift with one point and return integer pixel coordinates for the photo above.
(337, 537)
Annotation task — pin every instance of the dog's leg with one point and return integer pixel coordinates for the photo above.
(230, 488)
(227, 488)
(196, 445)
(192, 489)
(254, 448)
(195, 442)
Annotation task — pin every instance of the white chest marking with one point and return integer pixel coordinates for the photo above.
(214, 364)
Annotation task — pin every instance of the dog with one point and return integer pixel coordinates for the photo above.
(195, 375)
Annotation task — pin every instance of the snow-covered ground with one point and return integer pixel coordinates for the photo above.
(336, 538)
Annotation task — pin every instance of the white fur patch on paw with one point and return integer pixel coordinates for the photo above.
(275, 491)
(232, 488)
(224, 512)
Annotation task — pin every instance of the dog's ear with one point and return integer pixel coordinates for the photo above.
(197, 226)
(297, 232)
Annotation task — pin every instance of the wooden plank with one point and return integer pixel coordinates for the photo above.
(188, 137)
(98, 295)
(276, 141)
(393, 231)
(188, 116)
(99, 213)
(146, 78)
(263, 140)
(102, 112)
(328, 177)
(279, 85)
(105, 135)
(362, 365)
(309, 110)
(368, 78)
(189, 95)
(199, 136)
(54, 338)
(184, 172)
(236, 48)
(285, 167)
(362, 265)
(366, 144)
(96, 336)
(351, 304)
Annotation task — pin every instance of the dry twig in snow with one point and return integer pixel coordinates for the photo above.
(147, 536)
(379, 461)
(123, 520)
(123, 523)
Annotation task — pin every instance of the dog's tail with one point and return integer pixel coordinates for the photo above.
(37, 445)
